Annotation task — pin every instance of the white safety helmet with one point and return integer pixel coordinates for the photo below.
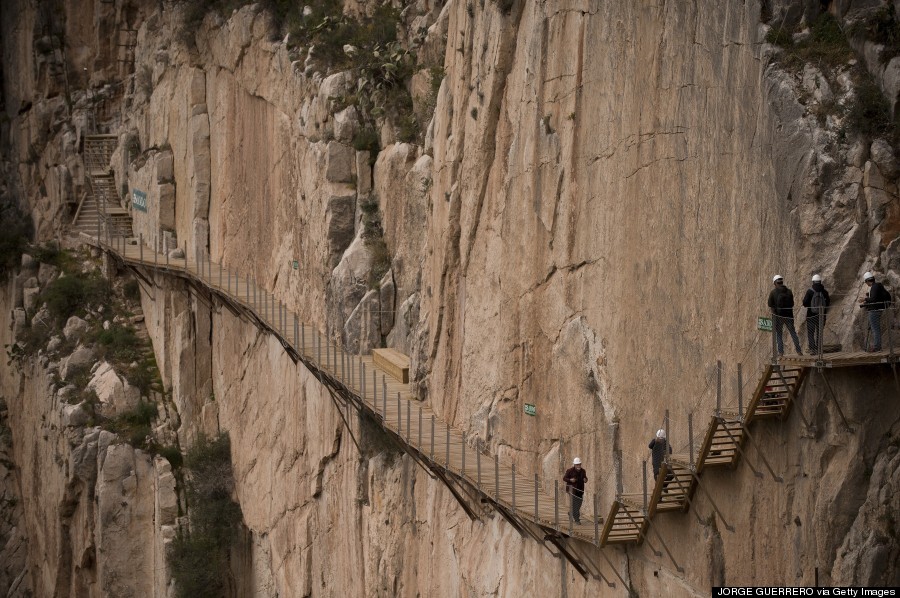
(576, 461)
(816, 278)
(868, 276)
(661, 434)
(776, 278)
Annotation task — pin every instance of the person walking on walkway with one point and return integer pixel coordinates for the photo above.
(816, 302)
(575, 478)
(781, 302)
(658, 448)
(877, 300)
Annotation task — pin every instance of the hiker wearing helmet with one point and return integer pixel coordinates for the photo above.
(575, 478)
(658, 447)
(877, 300)
(816, 302)
(781, 302)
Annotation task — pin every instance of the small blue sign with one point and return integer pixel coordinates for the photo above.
(139, 200)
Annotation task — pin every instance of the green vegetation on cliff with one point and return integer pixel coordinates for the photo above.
(199, 557)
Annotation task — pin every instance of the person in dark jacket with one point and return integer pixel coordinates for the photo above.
(816, 301)
(575, 477)
(877, 300)
(781, 302)
(658, 447)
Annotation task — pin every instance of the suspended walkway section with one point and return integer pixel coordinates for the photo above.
(477, 479)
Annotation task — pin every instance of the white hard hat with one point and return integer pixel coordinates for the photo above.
(577, 461)
(868, 276)
(816, 278)
(660, 433)
(777, 277)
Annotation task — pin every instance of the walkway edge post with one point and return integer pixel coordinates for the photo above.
(514, 487)
(463, 468)
(478, 465)
(556, 504)
(497, 478)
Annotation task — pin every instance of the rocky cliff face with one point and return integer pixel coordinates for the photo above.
(587, 222)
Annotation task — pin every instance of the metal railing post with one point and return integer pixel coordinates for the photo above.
(220, 275)
(432, 436)
(399, 417)
(774, 344)
(536, 512)
(496, 478)
(718, 387)
(478, 465)
(740, 383)
(668, 439)
(448, 447)
(296, 331)
(890, 327)
(556, 503)
(229, 282)
(463, 464)
(375, 395)
(362, 384)
(317, 340)
(821, 328)
(255, 306)
(691, 438)
(408, 417)
(383, 390)
(140, 242)
(420, 427)
(644, 480)
(618, 464)
(514, 487)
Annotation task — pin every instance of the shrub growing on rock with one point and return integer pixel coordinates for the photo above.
(199, 556)
(70, 295)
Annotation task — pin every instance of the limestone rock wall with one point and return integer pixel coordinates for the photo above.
(92, 515)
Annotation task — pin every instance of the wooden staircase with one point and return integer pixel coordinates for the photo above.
(721, 446)
(101, 204)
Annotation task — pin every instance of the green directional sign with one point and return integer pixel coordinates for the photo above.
(139, 200)
(530, 409)
(763, 323)
(296, 264)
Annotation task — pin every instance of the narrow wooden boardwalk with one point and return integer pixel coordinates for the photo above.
(385, 397)
(470, 471)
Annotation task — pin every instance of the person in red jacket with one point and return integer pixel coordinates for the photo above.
(575, 478)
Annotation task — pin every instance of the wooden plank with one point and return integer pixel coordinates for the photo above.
(393, 362)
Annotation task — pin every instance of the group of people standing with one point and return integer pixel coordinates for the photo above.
(817, 301)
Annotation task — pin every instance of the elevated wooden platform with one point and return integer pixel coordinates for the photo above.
(368, 384)
(843, 359)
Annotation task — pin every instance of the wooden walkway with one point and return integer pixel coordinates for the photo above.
(843, 359)
(522, 496)
(476, 477)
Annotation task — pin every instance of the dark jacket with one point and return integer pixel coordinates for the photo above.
(575, 479)
(878, 298)
(781, 301)
(658, 450)
(817, 287)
